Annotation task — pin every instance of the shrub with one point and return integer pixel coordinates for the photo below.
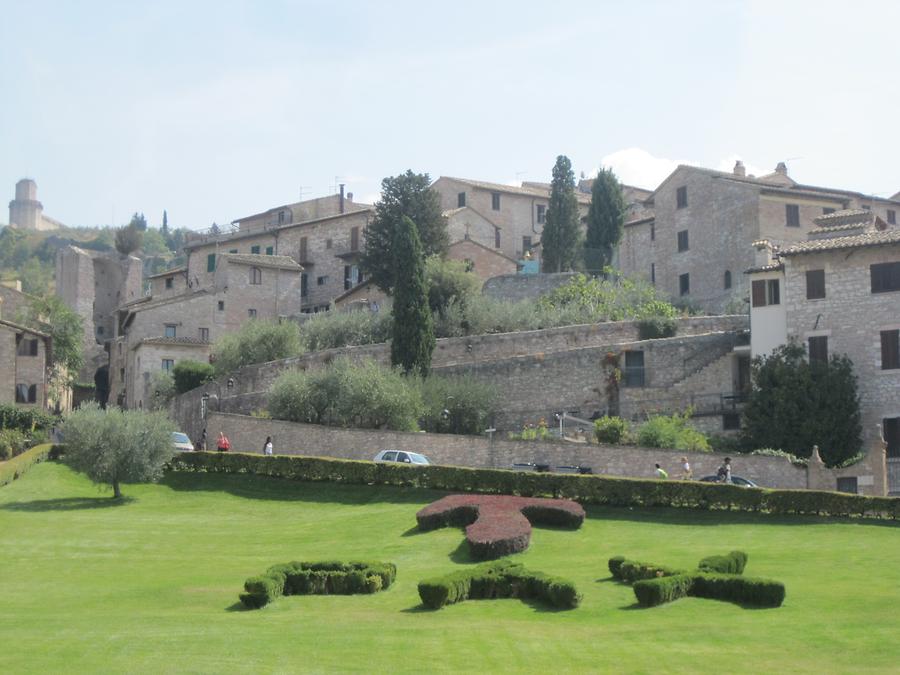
(656, 327)
(659, 590)
(614, 564)
(743, 590)
(256, 342)
(733, 563)
(457, 405)
(329, 330)
(630, 571)
(19, 465)
(498, 579)
(793, 459)
(12, 443)
(25, 420)
(587, 489)
(449, 280)
(497, 526)
(347, 394)
(672, 432)
(162, 390)
(612, 430)
(317, 578)
(190, 374)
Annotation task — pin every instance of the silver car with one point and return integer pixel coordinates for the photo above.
(402, 456)
(181, 442)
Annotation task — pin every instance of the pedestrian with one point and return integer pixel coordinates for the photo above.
(267, 448)
(661, 473)
(686, 472)
(202, 443)
(724, 472)
(223, 444)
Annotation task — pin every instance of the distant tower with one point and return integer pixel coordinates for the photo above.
(26, 212)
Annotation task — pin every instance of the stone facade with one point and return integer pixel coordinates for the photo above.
(24, 355)
(13, 300)
(26, 212)
(299, 212)
(518, 287)
(484, 262)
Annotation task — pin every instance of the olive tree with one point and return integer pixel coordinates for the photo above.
(115, 446)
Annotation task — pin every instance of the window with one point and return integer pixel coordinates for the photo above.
(26, 347)
(255, 276)
(171, 330)
(351, 276)
(254, 250)
(354, 238)
(683, 241)
(653, 273)
(891, 217)
(251, 313)
(885, 277)
(634, 369)
(321, 281)
(815, 284)
(99, 330)
(792, 215)
(495, 201)
(280, 217)
(496, 237)
(890, 349)
(460, 200)
(303, 249)
(211, 262)
(541, 213)
(684, 284)
(890, 427)
(731, 421)
(26, 393)
(170, 282)
(847, 484)
(234, 250)
(766, 292)
(526, 244)
(867, 207)
(681, 197)
(270, 250)
(304, 285)
(727, 283)
(221, 305)
(826, 210)
(168, 364)
(818, 349)
(329, 243)
(204, 334)
(652, 231)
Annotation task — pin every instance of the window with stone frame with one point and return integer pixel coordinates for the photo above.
(270, 250)
(255, 276)
(460, 200)
(204, 334)
(818, 349)
(496, 237)
(891, 217)
(683, 243)
(171, 330)
(170, 282)
(885, 277)
(221, 305)
(652, 231)
(26, 393)
(26, 346)
(634, 369)
(495, 201)
(541, 214)
(168, 364)
(254, 250)
(815, 284)
(890, 428)
(211, 262)
(684, 284)
(890, 349)
(304, 285)
(727, 281)
(792, 215)
(681, 198)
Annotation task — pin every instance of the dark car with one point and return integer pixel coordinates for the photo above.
(735, 480)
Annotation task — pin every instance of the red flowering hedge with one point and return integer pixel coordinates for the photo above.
(497, 525)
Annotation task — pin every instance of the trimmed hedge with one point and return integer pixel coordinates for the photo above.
(317, 578)
(733, 563)
(653, 592)
(732, 588)
(498, 579)
(17, 466)
(587, 489)
(630, 571)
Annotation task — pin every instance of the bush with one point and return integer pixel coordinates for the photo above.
(190, 374)
(19, 465)
(659, 590)
(614, 564)
(743, 590)
(317, 578)
(457, 405)
(12, 443)
(256, 342)
(672, 432)
(330, 330)
(449, 280)
(656, 327)
(630, 571)
(347, 394)
(793, 459)
(733, 563)
(26, 420)
(586, 489)
(613, 430)
(499, 579)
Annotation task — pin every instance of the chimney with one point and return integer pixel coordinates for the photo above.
(739, 169)
(350, 197)
(781, 168)
(342, 198)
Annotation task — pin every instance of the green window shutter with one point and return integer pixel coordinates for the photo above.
(211, 262)
(254, 249)
(270, 250)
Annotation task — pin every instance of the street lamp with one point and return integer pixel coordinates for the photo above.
(204, 404)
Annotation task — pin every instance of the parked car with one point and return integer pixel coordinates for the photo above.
(735, 480)
(401, 456)
(181, 442)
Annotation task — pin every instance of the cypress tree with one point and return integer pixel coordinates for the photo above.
(559, 242)
(413, 330)
(605, 220)
(165, 225)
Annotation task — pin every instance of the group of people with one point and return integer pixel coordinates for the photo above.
(224, 445)
(723, 473)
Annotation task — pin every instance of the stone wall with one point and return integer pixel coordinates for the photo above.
(518, 287)
(248, 434)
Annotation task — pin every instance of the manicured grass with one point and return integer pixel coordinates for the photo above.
(151, 585)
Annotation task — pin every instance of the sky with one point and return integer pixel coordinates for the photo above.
(217, 110)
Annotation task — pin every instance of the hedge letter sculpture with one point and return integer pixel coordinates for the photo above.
(497, 525)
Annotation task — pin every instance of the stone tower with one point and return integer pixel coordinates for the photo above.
(26, 212)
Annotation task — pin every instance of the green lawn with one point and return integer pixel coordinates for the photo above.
(151, 585)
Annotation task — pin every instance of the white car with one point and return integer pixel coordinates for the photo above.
(401, 456)
(181, 442)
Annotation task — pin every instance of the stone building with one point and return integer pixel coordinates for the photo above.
(838, 292)
(26, 212)
(483, 261)
(14, 300)
(24, 358)
(693, 237)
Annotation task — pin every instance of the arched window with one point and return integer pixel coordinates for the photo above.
(727, 278)
(255, 275)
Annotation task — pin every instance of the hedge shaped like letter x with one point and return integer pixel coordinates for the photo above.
(497, 525)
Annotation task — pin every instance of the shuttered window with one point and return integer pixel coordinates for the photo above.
(683, 244)
(818, 349)
(890, 349)
(792, 215)
(815, 284)
(681, 197)
(885, 277)
(302, 249)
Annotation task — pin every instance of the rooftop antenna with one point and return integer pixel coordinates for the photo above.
(304, 188)
(337, 182)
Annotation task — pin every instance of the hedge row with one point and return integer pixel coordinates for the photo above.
(317, 578)
(630, 571)
(18, 465)
(499, 579)
(733, 563)
(586, 489)
(25, 420)
(742, 590)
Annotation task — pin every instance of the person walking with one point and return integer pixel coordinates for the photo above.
(223, 444)
(201, 444)
(267, 448)
(724, 472)
(661, 473)
(686, 472)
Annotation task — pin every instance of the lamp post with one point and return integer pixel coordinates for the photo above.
(204, 404)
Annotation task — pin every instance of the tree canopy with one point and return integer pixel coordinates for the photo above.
(562, 234)
(256, 342)
(606, 217)
(407, 195)
(128, 239)
(413, 331)
(50, 314)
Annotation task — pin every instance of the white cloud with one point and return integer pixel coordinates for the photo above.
(636, 166)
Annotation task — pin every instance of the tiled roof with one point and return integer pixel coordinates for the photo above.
(639, 221)
(24, 329)
(486, 248)
(874, 238)
(771, 267)
(167, 273)
(838, 228)
(844, 214)
(512, 189)
(258, 260)
(148, 302)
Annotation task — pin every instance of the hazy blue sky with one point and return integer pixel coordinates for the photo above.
(215, 110)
